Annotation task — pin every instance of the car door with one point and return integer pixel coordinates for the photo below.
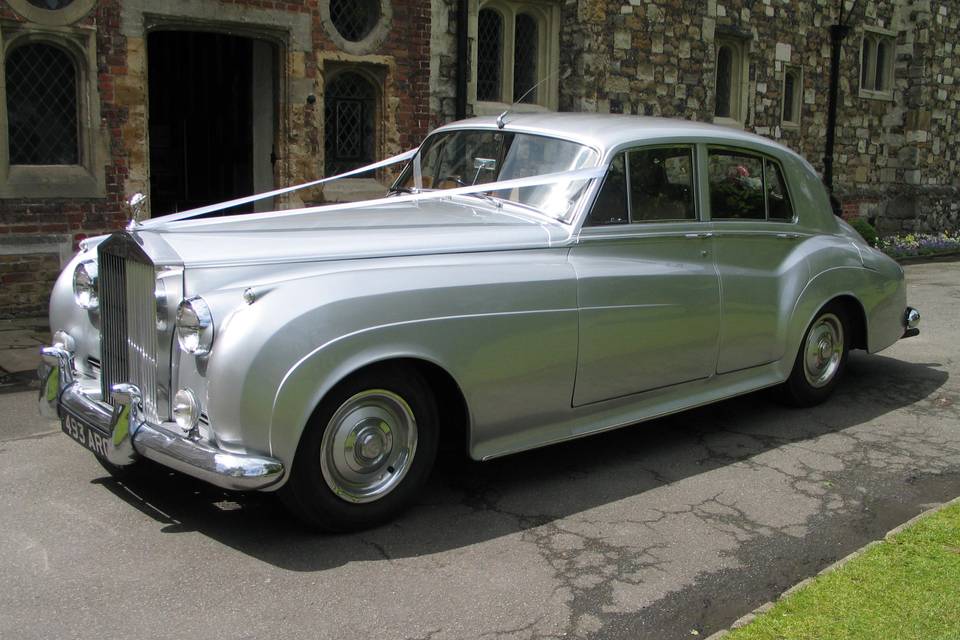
(755, 245)
(648, 291)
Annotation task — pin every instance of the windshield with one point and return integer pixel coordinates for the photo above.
(464, 158)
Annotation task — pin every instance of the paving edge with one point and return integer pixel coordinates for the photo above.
(946, 256)
(748, 618)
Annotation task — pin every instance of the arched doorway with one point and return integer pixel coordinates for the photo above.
(212, 118)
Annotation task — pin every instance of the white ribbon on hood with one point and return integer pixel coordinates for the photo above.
(515, 183)
(210, 208)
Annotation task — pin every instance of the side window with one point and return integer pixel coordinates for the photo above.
(610, 206)
(661, 184)
(778, 200)
(736, 186)
(744, 187)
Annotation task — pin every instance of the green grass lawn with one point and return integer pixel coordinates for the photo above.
(905, 587)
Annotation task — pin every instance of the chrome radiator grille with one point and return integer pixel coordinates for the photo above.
(128, 324)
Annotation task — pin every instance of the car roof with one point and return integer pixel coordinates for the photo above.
(607, 131)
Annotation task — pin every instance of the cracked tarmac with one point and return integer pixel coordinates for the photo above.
(653, 531)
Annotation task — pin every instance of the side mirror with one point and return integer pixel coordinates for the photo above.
(484, 164)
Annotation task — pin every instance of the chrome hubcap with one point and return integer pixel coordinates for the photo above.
(368, 446)
(823, 350)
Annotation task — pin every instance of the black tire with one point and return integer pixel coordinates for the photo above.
(803, 388)
(126, 472)
(309, 492)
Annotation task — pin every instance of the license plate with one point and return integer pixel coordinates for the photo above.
(86, 435)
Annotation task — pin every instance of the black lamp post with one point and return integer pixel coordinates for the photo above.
(838, 32)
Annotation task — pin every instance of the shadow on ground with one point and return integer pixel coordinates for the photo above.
(467, 502)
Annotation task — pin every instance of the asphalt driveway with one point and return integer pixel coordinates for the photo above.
(679, 525)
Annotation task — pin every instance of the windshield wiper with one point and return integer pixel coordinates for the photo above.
(495, 201)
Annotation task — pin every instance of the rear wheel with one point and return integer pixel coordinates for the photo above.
(822, 358)
(366, 452)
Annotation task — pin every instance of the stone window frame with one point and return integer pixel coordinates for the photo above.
(870, 42)
(87, 179)
(797, 104)
(546, 13)
(739, 79)
(376, 74)
(75, 11)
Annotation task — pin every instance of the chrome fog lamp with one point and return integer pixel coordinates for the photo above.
(195, 326)
(85, 285)
(186, 410)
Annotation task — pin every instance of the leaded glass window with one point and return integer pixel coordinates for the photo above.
(876, 63)
(731, 79)
(724, 81)
(788, 88)
(525, 42)
(489, 55)
(354, 19)
(349, 126)
(880, 79)
(51, 5)
(792, 94)
(865, 62)
(42, 105)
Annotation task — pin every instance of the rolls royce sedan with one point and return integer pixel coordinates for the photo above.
(529, 279)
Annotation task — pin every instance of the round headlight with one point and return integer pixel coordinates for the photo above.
(195, 326)
(186, 410)
(85, 284)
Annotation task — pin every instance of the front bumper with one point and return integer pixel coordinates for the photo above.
(128, 435)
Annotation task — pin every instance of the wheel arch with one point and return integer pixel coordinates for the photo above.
(856, 316)
(302, 393)
(833, 285)
(451, 403)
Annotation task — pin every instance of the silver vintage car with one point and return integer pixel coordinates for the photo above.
(529, 279)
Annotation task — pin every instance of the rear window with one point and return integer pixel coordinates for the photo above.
(744, 186)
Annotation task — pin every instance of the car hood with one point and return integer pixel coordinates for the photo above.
(405, 228)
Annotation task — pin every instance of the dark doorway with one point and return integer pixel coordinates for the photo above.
(208, 125)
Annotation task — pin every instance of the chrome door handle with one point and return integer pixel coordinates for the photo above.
(788, 236)
(699, 234)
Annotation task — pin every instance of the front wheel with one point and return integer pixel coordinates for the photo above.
(366, 451)
(126, 472)
(821, 360)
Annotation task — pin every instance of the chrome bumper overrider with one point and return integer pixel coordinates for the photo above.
(130, 435)
(911, 323)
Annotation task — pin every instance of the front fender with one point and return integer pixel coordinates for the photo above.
(514, 368)
(274, 360)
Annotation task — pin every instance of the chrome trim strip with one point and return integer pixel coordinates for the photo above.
(627, 235)
(131, 435)
(757, 233)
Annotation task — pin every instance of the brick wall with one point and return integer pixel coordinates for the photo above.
(27, 279)
(405, 53)
(25, 283)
